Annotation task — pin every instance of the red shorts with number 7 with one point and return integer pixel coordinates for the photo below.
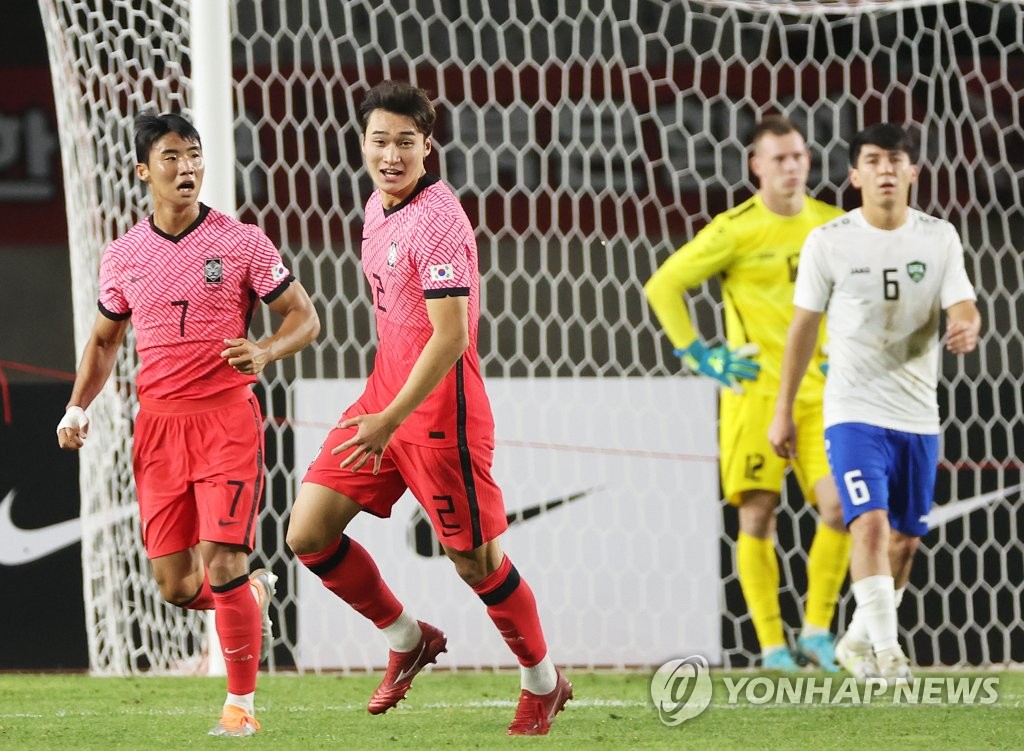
(198, 470)
(453, 485)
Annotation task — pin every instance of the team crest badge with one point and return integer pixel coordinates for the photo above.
(916, 270)
(213, 270)
(392, 254)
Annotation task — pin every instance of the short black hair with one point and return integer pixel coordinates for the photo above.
(400, 98)
(774, 124)
(150, 128)
(885, 136)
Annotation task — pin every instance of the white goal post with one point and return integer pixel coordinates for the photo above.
(587, 140)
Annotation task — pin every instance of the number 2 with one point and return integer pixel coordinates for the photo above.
(380, 294)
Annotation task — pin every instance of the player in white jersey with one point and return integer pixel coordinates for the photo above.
(885, 272)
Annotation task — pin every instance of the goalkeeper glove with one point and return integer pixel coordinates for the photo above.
(726, 366)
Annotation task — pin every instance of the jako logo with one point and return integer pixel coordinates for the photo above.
(681, 689)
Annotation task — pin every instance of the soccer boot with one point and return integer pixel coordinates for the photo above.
(236, 722)
(403, 667)
(857, 658)
(535, 713)
(893, 666)
(780, 660)
(263, 583)
(819, 650)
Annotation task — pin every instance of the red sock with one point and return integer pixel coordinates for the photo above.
(513, 608)
(348, 570)
(203, 598)
(240, 629)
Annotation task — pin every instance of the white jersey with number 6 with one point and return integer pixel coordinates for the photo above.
(884, 291)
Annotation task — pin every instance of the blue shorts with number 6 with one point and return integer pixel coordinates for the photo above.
(879, 468)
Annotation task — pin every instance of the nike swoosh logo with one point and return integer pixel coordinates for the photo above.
(223, 523)
(947, 512)
(412, 668)
(19, 546)
(133, 279)
(235, 651)
(421, 532)
(517, 517)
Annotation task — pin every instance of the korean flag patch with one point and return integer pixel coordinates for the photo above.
(441, 273)
(279, 272)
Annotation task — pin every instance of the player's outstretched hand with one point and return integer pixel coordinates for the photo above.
(245, 356)
(726, 366)
(73, 429)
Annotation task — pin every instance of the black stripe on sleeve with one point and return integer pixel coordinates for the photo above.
(278, 290)
(434, 294)
(112, 315)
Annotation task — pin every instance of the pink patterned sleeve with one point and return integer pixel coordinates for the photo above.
(268, 275)
(111, 299)
(441, 254)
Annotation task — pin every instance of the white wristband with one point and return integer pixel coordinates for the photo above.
(76, 420)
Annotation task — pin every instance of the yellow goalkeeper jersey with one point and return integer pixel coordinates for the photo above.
(755, 253)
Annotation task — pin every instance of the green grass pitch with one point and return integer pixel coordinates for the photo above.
(470, 710)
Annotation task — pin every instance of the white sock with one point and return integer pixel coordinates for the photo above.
(809, 630)
(899, 595)
(857, 632)
(245, 701)
(876, 607)
(404, 634)
(539, 679)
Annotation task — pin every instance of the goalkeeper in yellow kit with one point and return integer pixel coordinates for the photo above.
(754, 248)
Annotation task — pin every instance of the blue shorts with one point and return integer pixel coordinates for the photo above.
(879, 468)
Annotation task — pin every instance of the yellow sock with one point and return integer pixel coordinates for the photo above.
(827, 563)
(758, 569)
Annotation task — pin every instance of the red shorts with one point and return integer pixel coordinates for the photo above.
(198, 471)
(453, 485)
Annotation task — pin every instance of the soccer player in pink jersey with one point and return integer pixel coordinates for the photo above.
(189, 277)
(423, 418)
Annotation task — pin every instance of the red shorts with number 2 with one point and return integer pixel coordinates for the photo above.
(452, 484)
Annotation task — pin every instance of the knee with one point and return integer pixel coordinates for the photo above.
(757, 514)
(476, 565)
(830, 508)
(904, 546)
(178, 592)
(303, 542)
(471, 572)
(305, 539)
(832, 516)
(871, 530)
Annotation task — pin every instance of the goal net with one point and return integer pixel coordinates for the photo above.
(586, 141)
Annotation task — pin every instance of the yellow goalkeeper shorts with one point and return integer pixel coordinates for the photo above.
(747, 459)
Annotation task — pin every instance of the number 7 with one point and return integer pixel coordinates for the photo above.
(184, 310)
